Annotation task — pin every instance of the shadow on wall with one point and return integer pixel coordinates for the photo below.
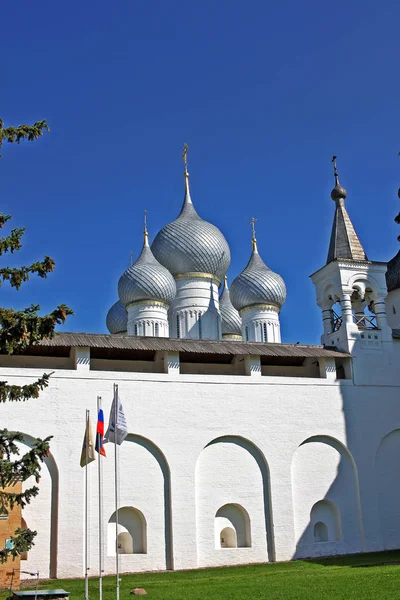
(327, 502)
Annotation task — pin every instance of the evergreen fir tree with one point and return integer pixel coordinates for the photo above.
(20, 329)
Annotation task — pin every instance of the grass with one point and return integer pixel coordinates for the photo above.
(357, 577)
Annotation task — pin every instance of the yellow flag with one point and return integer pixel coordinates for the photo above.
(88, 454)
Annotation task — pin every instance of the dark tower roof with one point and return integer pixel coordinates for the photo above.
(344, 243)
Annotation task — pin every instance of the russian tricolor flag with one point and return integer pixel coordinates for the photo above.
(99, 447)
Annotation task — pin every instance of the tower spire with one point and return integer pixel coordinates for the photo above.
(145, 232)
(186, 174)
(253, 235)
(344, 243)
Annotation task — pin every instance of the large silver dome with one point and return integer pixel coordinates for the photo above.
(191, 245)
(257, 284)
(146, 279)
(231, 321)
(117, 318)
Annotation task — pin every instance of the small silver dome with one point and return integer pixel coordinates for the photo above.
(191, 245)
(117, 318)
(257, 284)
(231, 321)
(146, 279)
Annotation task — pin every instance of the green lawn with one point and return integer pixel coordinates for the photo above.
(366, 576)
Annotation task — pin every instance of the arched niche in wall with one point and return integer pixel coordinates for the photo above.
(325, 522)
(325, 482)
(232, 527)
(388, 488)
(132, 532)
(45, 542)
(145, 468)
(226, 469)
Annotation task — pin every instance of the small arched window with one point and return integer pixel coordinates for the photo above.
(247, 334)
(394, 310)
(200, 327)
(136, 329)
(157, 330)
(265, 331)
(178, 327)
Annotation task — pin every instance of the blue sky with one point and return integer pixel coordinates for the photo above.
(264, 93)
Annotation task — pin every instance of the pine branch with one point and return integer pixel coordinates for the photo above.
(21, 541)
(12, 242)
(21, 393)
(23, 328)
(17, 276)
(22, 132)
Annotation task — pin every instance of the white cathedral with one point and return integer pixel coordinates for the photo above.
(241, 449)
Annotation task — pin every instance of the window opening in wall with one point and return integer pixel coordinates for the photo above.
(178, 327)
(394, 309)
(136, 329)
(247, 334)
(265, 331)
(157, 330)
(4, 516)
(321, 532)
(200, 328)
(340, 372)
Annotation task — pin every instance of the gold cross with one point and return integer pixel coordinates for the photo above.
(145, 221)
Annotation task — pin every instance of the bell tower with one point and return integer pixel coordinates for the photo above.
(351, 289)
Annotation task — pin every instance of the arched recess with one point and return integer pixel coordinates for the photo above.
(388, 488)
(165, 470)
(325, 478)
(52, 467)
(132, 532)
(232, 527)
(326, 522)
(233, 470)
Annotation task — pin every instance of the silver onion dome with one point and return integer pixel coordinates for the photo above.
(191, 245)
(231, 321)
(257, 284)
(146, 280)
(117, 318)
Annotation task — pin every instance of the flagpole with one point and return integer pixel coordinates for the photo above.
(116, 486)
(86, 509)
(100, 467)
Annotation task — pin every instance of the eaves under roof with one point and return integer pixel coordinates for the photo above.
(157, 344)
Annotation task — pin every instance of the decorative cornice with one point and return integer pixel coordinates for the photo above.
(148, 303)
(260, 307)
(198, 276)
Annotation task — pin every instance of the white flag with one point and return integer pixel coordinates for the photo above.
(116, 435)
